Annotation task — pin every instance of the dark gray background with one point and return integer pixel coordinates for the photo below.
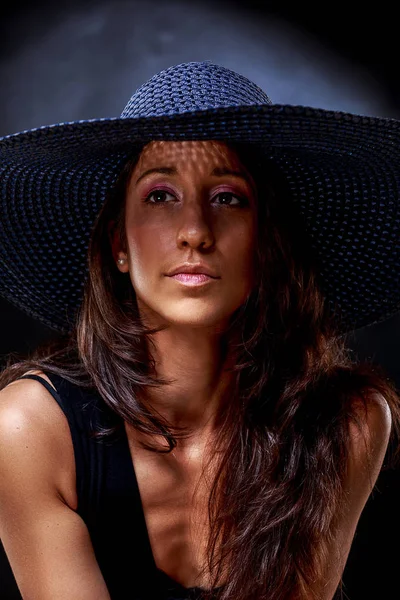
(79, 60)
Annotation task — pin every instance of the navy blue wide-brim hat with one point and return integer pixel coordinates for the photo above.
(343, 172)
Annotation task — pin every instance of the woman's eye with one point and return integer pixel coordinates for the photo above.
(228, 195)
(225, 198)
(158, 194)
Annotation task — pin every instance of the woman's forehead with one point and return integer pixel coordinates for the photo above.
(188, 151)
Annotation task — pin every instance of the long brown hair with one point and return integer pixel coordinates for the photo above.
(284, 434)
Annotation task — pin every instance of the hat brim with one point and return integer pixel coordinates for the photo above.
(342, 170)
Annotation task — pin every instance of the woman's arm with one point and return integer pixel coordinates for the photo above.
(367, 452)
(47, 543)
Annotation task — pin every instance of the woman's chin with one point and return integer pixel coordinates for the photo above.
(197, 319)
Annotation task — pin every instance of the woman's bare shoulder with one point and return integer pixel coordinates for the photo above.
(31, 419)
(369, 435)
(29, 402)
(31, 372)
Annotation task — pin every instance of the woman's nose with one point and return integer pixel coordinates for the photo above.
(195, 224)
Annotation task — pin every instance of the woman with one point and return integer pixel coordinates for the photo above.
(204, 434)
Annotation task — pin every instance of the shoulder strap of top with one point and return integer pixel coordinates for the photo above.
(46, 385)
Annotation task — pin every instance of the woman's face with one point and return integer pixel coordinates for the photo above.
(189, 202)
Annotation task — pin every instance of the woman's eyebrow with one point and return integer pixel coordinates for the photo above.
(163, 170)
(220, 171)
(217, 172)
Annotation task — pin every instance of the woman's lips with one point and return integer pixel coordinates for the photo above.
(192, 278)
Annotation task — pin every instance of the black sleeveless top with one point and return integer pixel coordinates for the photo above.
(109, 501)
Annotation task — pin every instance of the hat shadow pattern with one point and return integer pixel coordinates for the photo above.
(341, 170)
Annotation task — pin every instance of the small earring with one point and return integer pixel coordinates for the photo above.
(121, 261)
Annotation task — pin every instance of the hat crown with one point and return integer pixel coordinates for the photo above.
(192, 86)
